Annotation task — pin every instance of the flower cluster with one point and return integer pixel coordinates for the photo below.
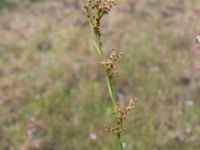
(95, 10)
(121, 115)
(109, 63)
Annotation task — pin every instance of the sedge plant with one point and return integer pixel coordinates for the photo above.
(95, 11)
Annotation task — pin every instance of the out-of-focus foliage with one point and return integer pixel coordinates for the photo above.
(52, 91)
(8, 3)
(5, 4)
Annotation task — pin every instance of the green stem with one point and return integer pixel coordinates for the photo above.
(120, 141)
(96, 40)
(111, 91)
(109, 80)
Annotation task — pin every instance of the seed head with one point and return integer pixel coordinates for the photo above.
(110, 62)
(95, 10)
(121, 115)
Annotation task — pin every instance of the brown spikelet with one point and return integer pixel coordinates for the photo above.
(95, 10)
(121, 115)
(110, 62)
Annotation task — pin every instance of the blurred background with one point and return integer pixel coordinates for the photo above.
(53, 94)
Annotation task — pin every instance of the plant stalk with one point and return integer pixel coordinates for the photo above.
(110, 84)
(120, 141)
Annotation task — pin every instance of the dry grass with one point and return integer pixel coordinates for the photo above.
(50, 80)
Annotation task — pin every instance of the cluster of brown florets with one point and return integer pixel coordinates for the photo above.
(109, 63)
(121, 115)
(95, 10)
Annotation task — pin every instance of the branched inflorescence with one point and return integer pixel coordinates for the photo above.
(95, 10)
(110, 62)
(121, 115)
